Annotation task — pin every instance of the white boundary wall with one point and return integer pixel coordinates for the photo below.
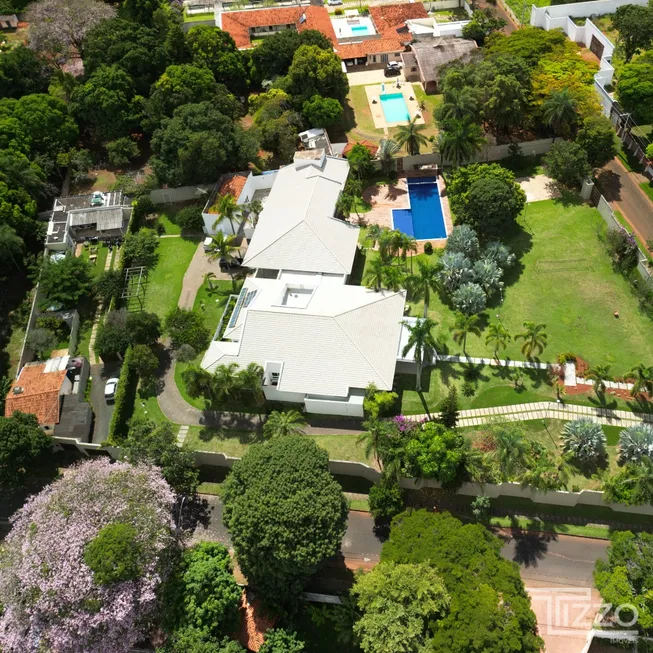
(361, 470)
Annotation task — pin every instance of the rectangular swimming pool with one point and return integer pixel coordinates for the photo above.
(360, 29)
(394, 107)
(424, 219)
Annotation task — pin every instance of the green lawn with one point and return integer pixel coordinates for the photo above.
(522, 9)
(165, 280)
(197, 17)
(564, 279)
(166, 216)
(235, 443)
(100, 262)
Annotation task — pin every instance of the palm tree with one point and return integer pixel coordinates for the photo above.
(512, 451)
(198, 381)
(375, 275)
(250, 379)
(208, 278)
(559, 112)
(223, 247)
(409, 136)
(421, 339)
(641, 482)
(459, 103)
(374, 233)
(535, 339)
(460, 141)
(599, 374)
(386, 153)
(11, 246)
(643, 376)
(394, 278)
(387, 242)
(425, 281)
(375, 429)
(254, 209)
(226, 382)
(281, 424)
(227, 209)
(345, 204)
(463, 326)
(497, 336)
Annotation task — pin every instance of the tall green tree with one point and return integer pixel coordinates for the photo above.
(422, 340)
(424, 282)
(463, 326)
(597, 137)
(281, 424)
(634, 25)
(460, 141)
(498, 337)
(534, 337)
(512, 451)
(457, 104)
(315, 71)
(400, 605)
(12, 248)
(386, 153)
(278, 640)
(285, 513)
(410, 136)
(560, 112)
(65, 281)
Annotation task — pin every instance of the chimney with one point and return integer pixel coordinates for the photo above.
(18, 390)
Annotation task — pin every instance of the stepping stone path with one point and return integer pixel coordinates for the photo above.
(181, 435)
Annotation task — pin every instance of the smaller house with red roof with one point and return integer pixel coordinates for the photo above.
(255, 621)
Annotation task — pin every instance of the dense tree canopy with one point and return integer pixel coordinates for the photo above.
(567, 163)
(65, 281)
(136, 49)
(635, 90)
(315, 71)
(285, 513)
(22, 72)
(24, 448)
(487, 593)
(597, 137)
(214, 49)
(486, 197)
(198, 144)
(274, 55)
(634, 25)
(49, 593)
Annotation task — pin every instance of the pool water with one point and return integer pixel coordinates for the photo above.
(360, 29)
(424, 219)
(394, 107)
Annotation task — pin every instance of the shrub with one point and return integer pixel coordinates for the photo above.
(124, 401)
(428, 248)
(278, 640)
(108, 286)
(339, 12)
(140, 249)
(481, 508)
(468, 388)
(469, 299)
(190, 219)
(567, 163)
(144, 328)
(635, 442)
(113, 555)
(54, 324)
(463, 239)
(449, 408)
(622, 248)
(584, 440)
(386, 499)
(187, 328)
(122, 151)
(566, 357)
(41, 342)
(144, 361)
(185, 354)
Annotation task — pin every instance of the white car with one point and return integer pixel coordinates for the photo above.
(332, 3)
(110, 389)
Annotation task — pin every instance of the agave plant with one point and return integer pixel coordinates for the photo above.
(635, 442)
(584, 440)
(455, 270)
(463, 239)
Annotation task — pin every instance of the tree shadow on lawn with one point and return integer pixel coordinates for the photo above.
(566, 196)
(519, 241)
(207, 434)
(590, 470)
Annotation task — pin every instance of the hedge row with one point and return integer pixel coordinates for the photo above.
(124, 401)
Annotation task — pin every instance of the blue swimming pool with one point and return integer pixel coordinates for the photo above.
(394, 107)
(424, 219)
(360, 29)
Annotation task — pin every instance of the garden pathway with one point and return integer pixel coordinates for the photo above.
(534, 365)
(543, 410)
(194, 277)
(112, 260)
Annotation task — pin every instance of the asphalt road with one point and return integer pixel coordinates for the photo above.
(102, 411)
(555, 559)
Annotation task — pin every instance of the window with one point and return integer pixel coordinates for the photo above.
(274, 378)
(384, 58)
(373, 58)
(397, 55)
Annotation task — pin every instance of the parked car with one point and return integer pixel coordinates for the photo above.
(208, 244)
(331, 3)
(110, 389)
(392, 69)
(228, 265)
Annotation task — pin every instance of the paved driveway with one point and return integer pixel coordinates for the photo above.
(194, 276)
(102, 411)
(365, 77)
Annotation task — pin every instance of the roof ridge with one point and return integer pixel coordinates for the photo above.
(376, 301)
(333, 254)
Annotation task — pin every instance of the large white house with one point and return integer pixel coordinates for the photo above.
(320, 341)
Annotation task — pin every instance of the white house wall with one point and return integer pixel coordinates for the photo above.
(273, 394)
(580, 9)
(351, 407)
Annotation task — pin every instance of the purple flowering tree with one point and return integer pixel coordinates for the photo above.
(52, 598)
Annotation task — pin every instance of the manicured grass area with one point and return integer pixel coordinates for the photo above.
(165, 280)
(522, 9)
(146, 405)
(359, 504)
(100, 262)
(647, 187)
(534, 524)
(210, 488)
(564, 279)
(449, 15)
(235, 443)
(13, 349)
(197, 17)
(166, 216)
(431, 103)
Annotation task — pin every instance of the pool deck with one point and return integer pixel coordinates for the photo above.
(407, 90)
(395, 196)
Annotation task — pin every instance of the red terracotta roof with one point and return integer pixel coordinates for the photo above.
(238, 23)
(372, 148)
(40, 395)
(254, 623)
(371, 46)
(233, 186)
(389, 18)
